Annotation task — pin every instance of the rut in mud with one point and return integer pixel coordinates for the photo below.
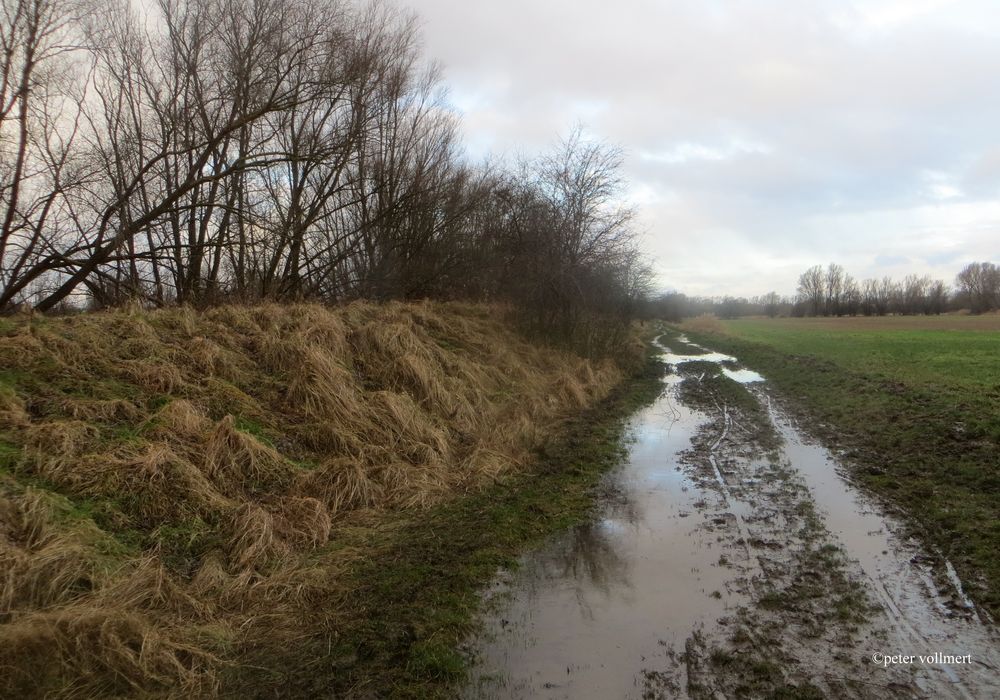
(731, 558)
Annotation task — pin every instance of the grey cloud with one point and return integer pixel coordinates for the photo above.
(871, 123)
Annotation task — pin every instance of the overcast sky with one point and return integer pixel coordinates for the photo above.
(762, 136)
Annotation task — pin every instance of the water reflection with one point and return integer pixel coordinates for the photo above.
(584, 611)
(587, 560)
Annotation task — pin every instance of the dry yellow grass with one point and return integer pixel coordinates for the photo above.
(706, 323)
(169, 474)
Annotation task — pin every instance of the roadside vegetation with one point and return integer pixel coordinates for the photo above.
(204, 152)
(290, 325)
(911, 404)
(180, 489)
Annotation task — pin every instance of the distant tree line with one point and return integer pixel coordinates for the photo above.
(676, 306)
(208, 151)
(831, 291)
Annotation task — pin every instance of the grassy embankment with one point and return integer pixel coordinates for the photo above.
(194, 502)
(914, 402)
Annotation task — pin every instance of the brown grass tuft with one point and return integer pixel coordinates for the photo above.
(161, 377)
(394, 355)
(211, 579)
(325, 389)
(147, 585)
(42, 565)
(181, 419)
(570, 391)
(404, 424)
(304, 521)
(13, 413)
(254, 542)
(486, 464)
(319, 327)
(342, 484)
(162, 486)
(219, 397)
(240, 464)
(99, 652)
(101, 410)
(54, 574)
(209, 358)
(22, 349)
(52, 449)
(407, 485)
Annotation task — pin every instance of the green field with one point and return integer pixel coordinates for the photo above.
(915, 405)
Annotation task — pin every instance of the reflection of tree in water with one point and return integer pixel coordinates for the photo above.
(619, 501)
(585, 559)
(624, 509)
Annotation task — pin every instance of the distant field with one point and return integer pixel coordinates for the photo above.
(915, 401)
(939, 351)
(948, 322)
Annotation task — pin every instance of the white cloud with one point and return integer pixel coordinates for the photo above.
(687, 151)
(763, 135)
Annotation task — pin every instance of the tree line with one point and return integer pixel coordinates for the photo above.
(830, 291)
(208, 151)
(833, 292)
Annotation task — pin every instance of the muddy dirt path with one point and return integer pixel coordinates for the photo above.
(731, 558)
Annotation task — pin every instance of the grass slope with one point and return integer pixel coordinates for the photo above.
(179, 490)
(915, 408)
(414, 597)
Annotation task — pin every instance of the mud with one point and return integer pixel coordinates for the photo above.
(730, 557)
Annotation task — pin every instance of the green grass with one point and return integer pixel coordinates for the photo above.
(952, 359)
(9, 456)
(414, 597)
(917, 412)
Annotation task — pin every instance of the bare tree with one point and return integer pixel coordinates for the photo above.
(885, 297)
(913, 294)
(937, 297)
(42, 171)
(169, 108)
(851, 300)
(834, 284)
(916, 294)
(192, 151)
(771, 303)
(812, 290)
(979, 282)
(562, 246)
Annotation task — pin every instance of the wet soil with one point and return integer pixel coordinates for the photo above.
(731, 557)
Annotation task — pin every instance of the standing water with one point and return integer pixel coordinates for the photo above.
(602, 609)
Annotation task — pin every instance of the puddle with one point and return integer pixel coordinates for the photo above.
(583, 614)
(586, 615)
(743, 376)
(925, 617)
(715, 357)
